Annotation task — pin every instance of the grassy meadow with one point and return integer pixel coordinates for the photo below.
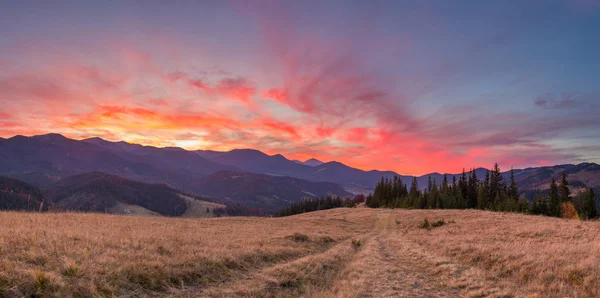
(344, 252)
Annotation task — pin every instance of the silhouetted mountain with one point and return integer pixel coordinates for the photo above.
(255, 161)
(171, 159)
(20, 196)
(58, 156)
(263, 191)
(313, 162)
(99, 192)
(30, 158)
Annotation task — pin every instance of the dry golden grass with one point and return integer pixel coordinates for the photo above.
(335, 253)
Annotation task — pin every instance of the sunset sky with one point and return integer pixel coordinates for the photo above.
(409, 86)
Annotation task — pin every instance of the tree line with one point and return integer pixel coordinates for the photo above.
(317, 204)
(492, 192)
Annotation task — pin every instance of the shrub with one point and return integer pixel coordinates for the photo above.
(356, 243)
(438, 223)
(70, 270)
(567, 210)
(425, 224)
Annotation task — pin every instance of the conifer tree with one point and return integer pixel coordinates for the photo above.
(497, 186)
(513, 191)
(589, 205)
(463, 186)
(472, 189)
(564, 192)
(554, 200)
(430, 185)
(414, 190)
(444, 189)
(482, 196)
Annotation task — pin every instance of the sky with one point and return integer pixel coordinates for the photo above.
(409, 86)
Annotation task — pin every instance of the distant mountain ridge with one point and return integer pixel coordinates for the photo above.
(43, 159)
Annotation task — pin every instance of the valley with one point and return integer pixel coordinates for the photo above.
(343, 252)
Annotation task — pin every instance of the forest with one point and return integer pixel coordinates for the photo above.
(317, 204)
(490, 193)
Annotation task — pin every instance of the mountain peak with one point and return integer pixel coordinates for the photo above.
(95, 139)
(313, 162)
(51, 136)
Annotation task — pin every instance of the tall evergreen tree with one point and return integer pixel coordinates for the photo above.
(444, 188)
(463, 186)
(430, 185)
(513, 191)
(497, 185)
(564, 192)
(482, 196)
(554, 200)
(472, 189)
(414, 190)
(589, 205)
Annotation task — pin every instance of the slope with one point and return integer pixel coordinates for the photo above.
(262, 191)
(99, 192)
(18, 195)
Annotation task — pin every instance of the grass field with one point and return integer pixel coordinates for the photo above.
(335, 253)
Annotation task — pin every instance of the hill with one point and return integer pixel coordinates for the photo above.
(262, 191)
(100, 192)
(18, 195)
(344, 252)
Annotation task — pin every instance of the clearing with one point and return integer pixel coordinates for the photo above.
(344, 252)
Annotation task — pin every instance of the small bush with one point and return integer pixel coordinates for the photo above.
(70, 271)
(438, 223)
(567, 210)
(298, 237)
(397, 222)
(425, 224)
(161, 250)
(428, 226)
(356, 243)
(42, 283)
(326, 239)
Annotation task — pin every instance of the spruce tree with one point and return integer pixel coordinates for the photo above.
(463, 186)
(554, 200)
(414, 190)
(444, 188)
(430, 185)
(482, 197)
(497, 186)
(589, 205)
(473, 191)
(513, 191)
(564, 192)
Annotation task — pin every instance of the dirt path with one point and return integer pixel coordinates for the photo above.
(386, 264)
(388, 267)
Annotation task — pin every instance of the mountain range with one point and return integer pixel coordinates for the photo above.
(244, 176)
